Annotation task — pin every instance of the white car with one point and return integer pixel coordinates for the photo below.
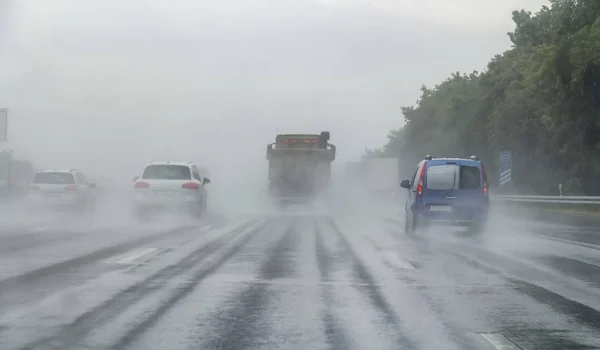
(61, 189)
(169, 185)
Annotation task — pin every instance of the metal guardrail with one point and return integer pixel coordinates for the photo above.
(548, 199)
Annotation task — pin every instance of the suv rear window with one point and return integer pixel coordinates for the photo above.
(54, 179)
(167, 172)
(447, 177)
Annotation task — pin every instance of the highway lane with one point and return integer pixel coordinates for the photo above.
(298, 281)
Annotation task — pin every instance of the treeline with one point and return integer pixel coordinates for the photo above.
(540, 100)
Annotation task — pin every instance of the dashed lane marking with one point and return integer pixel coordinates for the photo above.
(135, 255)
(499, 341)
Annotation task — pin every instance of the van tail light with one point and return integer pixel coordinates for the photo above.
(421, 179)
(190, 185)
(141, 184)
(72, 188)
(486, 185)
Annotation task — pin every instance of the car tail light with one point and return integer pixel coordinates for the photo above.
(72, 188)
(486, 185)
(190, 185)
(421, 179)
(141, 184)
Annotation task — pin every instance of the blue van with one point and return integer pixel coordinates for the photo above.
(452, 191)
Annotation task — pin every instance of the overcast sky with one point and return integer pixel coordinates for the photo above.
(107, 85)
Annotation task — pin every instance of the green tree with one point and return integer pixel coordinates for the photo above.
(540, 99)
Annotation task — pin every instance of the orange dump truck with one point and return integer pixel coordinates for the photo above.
(299, 167)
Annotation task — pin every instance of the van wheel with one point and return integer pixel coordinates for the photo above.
(407, 225)
(476, 227)
(421, 226)
(413, 226)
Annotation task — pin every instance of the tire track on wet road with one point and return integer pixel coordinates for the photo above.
(56, 275)
(534, 283)
(371, 291)
(241, 326)
(75, 332)
(337, 337)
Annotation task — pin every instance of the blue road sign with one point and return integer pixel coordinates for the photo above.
(505, 168)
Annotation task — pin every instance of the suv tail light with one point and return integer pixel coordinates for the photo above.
(421, 178)
(486, 185)
(141, 184)
(72, 188)
(190, 185)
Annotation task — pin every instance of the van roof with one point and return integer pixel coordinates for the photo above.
(462, 161)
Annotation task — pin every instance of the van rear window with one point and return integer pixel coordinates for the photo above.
(441, 177)
(447, 177)
(470, 178)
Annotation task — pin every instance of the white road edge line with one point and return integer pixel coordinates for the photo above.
(136, 255)
(393, 259)
(499, 341)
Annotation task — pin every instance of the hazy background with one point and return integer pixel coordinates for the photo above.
(107, 86)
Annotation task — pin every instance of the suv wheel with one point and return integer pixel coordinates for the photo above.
(140, 213)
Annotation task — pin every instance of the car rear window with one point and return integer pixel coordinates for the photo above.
(54, 179)
(441, 177)
(167, 172)
(470, 178)
(447, 177)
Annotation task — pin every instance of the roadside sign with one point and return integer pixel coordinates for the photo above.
(3, 124)
(505, 168)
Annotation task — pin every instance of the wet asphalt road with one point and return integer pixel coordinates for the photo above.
(299, 281)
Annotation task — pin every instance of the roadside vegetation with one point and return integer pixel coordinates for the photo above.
(540, 100)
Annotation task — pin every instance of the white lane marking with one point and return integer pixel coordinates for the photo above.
(567, 241)
(135, 255)
(393, 259)
(207, 227)
(45, 228)
(499, 341)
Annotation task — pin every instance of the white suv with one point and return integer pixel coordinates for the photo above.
(169, 185)
(68, 189)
